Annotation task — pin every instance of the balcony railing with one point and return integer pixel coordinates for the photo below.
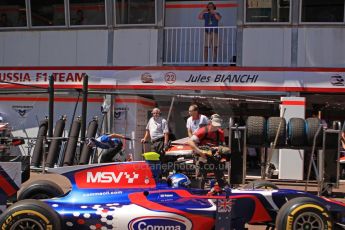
(199, 45)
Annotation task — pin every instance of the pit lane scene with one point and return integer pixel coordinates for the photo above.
(128, 114)
(124, 178)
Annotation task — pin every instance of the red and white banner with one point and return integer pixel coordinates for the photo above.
(180, 78)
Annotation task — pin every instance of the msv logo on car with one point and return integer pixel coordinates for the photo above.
(157, 223)
(109, 177)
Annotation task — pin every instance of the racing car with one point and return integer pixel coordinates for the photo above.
(126, 195)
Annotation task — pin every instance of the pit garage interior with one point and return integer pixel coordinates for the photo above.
(328, 107)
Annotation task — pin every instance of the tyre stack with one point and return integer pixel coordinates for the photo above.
(276, 132)
(296, 133)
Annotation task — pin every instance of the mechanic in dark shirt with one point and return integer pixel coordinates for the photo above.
(206, 143)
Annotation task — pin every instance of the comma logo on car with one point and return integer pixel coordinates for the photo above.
(110, 177)
(157, 223)
(337, 80)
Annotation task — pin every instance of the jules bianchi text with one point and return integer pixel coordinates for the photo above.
(224, 78)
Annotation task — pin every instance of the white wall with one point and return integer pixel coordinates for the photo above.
(92, 48)
(324, 47)
(78, 48)
(20, 48)
(54, 48)
(2, 49)
(36, 109)
(57, 48)
(266, 47)
(135, 47)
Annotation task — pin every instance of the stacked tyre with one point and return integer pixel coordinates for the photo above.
(297, 133)
(256, 130)
(262, 133)
(312, 125)
(276, 131)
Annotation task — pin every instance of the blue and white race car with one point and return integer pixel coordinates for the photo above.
(127, 196)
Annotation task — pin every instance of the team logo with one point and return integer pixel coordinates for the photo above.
(109, 177)
(117, 115)
(337, 80)
(22, 110)
(120, 112)
(170, 78)
(146, 78)
(157, 222)
(115, 176)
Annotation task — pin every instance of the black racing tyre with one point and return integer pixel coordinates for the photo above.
(311, 126)
(303, 213)
(272, 129)
(40, 189)
(256, 127)
(296, 132)
(260, 184)
(30, 215)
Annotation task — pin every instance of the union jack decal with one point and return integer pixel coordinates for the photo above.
(224, 214)
(224, 205)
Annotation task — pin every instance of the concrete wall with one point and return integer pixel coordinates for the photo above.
(79, 48)
(135, 47)
(54, 48)
(316, 47)
(266, 47)
(321, 47)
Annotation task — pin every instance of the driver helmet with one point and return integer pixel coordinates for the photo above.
(178, 180)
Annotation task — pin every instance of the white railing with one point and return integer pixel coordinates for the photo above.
(199, 45)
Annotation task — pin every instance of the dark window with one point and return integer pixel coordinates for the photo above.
(47, 12)
(12, 13)
(267, 10)
(87, 12)
(135, 11)
(322, 10)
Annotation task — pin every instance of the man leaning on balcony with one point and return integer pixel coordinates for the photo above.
(211, 18)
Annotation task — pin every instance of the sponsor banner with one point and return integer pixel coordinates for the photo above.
(183, 78)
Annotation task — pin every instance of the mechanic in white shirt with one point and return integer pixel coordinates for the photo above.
(196, 120)
(157, 130)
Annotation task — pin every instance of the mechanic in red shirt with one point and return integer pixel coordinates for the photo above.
(205, 143)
